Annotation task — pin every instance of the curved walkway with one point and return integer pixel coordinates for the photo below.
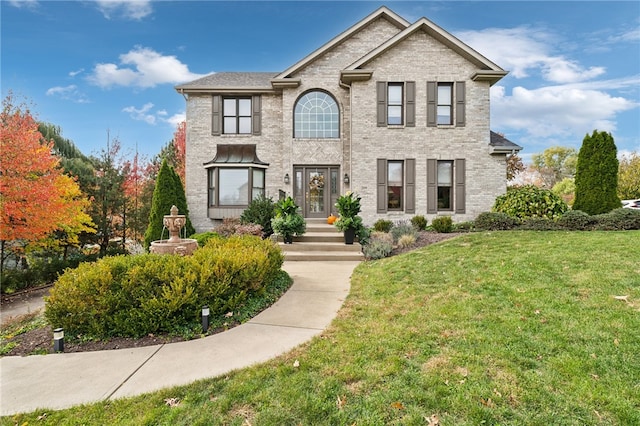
(59, 381)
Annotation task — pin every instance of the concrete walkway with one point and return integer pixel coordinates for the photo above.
(59, 381)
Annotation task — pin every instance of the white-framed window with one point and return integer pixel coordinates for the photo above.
(316, 116)
(236, 115)
(235, 186)
(445, 185)
(395, 102)
(445, 103)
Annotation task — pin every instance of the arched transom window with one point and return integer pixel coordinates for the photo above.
(316, 116)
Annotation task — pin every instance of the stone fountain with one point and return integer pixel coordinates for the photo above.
(174, 222)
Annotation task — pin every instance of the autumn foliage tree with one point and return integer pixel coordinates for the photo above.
(36, 197)
(629, 177)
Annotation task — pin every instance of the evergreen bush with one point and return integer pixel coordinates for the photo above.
(382, 225)
(530, 201)
(618, 220)
(538, 224)
(260, 211)
(442, 224)
(597, 175)
(419, 222)
(576, 220)
(494, 221)
(168, 192)
(136, 295)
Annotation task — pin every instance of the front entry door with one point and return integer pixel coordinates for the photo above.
(316, 189)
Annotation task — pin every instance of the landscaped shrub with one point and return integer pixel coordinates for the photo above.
(137, 295)
(538, 224)
(383, 225)
(419, 222)
(260, 211)
(203, 237)
(530, 201)
(617, 220)
(406, 241)
(380, 246)
(576, 220)
(492, 221)
(463, 226)
(401, 228)
(232, 226)
(442, 224)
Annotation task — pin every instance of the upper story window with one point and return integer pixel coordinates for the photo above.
(316, 116)
(445, 103)
(396, 104)
(236, 113)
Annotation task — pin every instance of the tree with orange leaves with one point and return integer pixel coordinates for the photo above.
(36, 197)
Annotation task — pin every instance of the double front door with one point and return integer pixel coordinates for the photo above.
(316, 189)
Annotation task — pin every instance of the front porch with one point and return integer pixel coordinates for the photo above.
(321, 242)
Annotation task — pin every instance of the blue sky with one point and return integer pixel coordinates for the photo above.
(109, 67)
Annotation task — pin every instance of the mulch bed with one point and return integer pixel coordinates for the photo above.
(40, 340)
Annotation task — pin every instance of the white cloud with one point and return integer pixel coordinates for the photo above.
(74, 73)
(129, 9)
(525, 50)
(142, 114)
(142, 67)
(557, 110)
(28, 4)
(176, 119)
(70, 93)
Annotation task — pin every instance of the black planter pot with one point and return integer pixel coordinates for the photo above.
(288, 239)
(349, 235)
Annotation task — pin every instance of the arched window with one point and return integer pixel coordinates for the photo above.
(316, 116)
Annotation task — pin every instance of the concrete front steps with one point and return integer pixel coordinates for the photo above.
(321, 242)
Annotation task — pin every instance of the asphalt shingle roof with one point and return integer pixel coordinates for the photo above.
(232, 80)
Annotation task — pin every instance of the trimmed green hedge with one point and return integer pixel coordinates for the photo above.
(137, 295)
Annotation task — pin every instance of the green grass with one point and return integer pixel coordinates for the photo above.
(512, 328)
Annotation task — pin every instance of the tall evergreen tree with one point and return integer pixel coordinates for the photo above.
(167, 192)
(597, 174)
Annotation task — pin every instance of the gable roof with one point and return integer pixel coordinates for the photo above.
(487, 70)
(231, 82)
(501, 145)
(382, 12)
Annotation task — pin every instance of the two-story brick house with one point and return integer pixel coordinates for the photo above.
(397, 112)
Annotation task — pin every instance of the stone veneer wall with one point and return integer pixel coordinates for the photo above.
(419, 58)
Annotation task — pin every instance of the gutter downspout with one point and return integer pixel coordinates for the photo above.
(348, 87)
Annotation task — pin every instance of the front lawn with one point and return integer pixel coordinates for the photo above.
(526, 328)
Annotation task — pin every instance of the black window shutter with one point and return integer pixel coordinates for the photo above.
(216, 115)
(460, 185)
(432, 186)
(382, 186)
(256, 116)
(432, 89)
(381, 103)
(411, 103)
(460, 104)
(410, 185)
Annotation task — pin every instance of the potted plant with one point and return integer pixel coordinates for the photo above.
(288, 221)
(349, 222)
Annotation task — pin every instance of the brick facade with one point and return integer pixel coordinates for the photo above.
(417, 57)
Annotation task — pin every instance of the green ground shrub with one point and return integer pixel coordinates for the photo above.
(617, 220)
(576, 220)
(442, 224)
(464, 226)
(260, 211)
(203, 237)
(538, 224)
(419, 222)
(137, 295)
(380, 245)
(382, 225)
(493, 221)
(530, 201)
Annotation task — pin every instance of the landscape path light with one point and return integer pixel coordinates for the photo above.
(58, 340)
(205, 319)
